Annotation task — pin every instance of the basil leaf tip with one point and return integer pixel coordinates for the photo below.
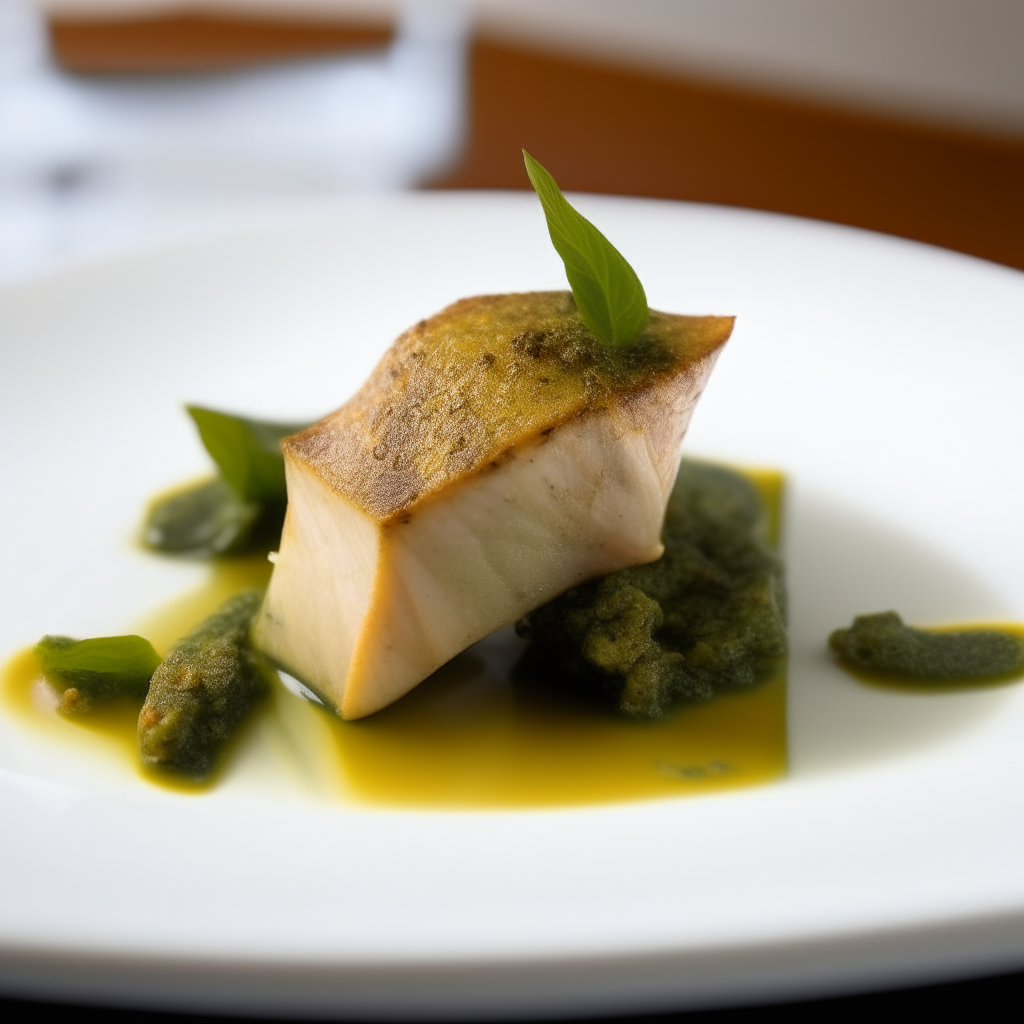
(608, 294)
(247, 452)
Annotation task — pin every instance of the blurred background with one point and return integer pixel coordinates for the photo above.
(128, 122)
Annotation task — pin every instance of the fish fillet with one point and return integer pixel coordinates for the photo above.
(497, 455)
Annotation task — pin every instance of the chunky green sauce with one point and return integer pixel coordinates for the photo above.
(708, 617)
(208, 519)
(883, 646)
(202, 690)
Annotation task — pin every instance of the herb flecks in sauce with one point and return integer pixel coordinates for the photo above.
(708, 617)
(885, 648)
(203, 689)
(87, 673)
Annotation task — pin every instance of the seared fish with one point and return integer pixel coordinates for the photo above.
(498, 455)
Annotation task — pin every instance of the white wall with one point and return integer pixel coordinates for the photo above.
(958, 62)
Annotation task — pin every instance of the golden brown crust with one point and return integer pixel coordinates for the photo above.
(456, 392)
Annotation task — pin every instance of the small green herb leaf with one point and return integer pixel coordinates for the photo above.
(247, 452)
(105, 668)
(608, 294)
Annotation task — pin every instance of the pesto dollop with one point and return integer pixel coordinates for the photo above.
(203, 690)
(883, 644)
(708, 617)
(208, 519)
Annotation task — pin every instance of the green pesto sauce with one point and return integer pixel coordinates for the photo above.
(208, 519)
(202, 691)
(708, 617)
(882, 648)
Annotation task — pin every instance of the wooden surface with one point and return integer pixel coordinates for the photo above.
(185, 42)
(605, 129)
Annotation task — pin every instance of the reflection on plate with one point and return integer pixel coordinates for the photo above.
(879, 374)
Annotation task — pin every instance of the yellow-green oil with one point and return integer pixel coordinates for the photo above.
(26, 695)
(476, 735)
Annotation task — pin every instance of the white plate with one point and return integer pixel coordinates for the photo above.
(884, 376)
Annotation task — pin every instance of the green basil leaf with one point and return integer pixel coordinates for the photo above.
(608, 294)
(247, 452)
(101, 669)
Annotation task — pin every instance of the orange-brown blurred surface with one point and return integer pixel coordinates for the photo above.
(603, 129)
(606, 129)
(199, 42)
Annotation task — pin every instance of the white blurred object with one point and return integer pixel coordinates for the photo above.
(91, 166)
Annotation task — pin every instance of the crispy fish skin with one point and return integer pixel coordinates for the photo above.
(497, 455)
(202, 690)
